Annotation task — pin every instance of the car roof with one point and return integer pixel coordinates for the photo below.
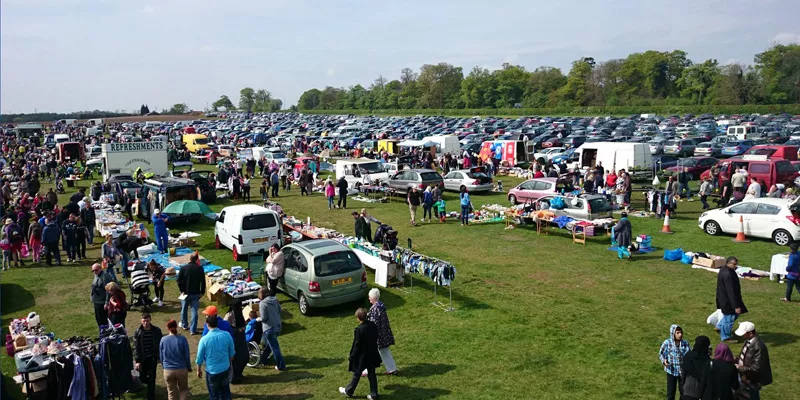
(769, 200)
(420, 170)
(320, 246)
(246, 209)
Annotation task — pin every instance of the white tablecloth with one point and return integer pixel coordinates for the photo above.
(778, 265)
(381, 267)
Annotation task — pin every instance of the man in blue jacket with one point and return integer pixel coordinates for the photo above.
(792, 272)
(50, 237)
(160, 230)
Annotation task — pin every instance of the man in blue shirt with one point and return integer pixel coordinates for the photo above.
(792, 272)
(160, 230)
(211, 311)
(216, 351)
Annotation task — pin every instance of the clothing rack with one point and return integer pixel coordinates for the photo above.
(436, 303)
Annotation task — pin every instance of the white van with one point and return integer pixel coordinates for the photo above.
(60, 138)
(445, 144)
(632, 157)
(742, 132)
(355, 171)
(346, 130)
(247, 229)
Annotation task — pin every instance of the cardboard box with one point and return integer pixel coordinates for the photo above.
(187, 242)
(712, 262)
(246, 311)
(215, 291)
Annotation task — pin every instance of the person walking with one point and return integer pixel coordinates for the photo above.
(753, 363)
(724, 379)
(222, 324)
(35, 240)
(729, 298)
(98, 294)
(696, 369)
(683, 183)
(364, 355)
(377, 314)
(330, 193)
(414, 201)
(69, 230)
(160, 230)
(275, 264)
(147, 340)
(437, 195)
(427, 204)
(117, 304)
(16, 237)
(792, 272)
(235, 319)
(270, 318)
(176, 362)
(216, 352)
(671, 354)
(466, 204)
(192, 285)
(342, 186)
(705, 190)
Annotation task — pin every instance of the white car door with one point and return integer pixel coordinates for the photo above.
(765, 220)
(730, 221)
(452, 181)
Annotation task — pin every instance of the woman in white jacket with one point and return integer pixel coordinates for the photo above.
(275, 264)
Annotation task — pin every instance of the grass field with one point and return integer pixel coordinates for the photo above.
(537, 317)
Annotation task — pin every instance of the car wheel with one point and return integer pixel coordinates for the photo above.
(781, 237)
(302, 304)
(712, 228)
(217, 244)
(512, 199)
(236, 255)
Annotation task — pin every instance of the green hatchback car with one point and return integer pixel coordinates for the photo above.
(322, 273)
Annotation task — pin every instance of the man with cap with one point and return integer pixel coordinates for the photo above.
(753, 363)
(222, 324)
(160, 230)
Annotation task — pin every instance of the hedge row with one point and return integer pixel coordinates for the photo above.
(792, 109)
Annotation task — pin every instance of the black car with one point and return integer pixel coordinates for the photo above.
(664, 162)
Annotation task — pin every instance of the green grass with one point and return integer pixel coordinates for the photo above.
(536, 315)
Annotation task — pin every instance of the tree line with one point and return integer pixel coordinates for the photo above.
(260, 100)
(651, 78)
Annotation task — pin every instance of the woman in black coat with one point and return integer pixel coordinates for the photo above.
(695, 369)
(364, 355)
(724, 379)
(241, 354)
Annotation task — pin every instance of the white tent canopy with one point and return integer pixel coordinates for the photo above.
(417, 143)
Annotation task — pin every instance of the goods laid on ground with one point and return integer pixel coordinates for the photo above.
(110, 221)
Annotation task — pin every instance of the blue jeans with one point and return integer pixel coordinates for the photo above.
(125, 259)
(330, 202)
(681, 187)
(270, 343)
(71, 248)
(192, 300)
(789, 284)
(725, 325)
(219, 386)
(465, 215)
(90, 238)
(162, 240)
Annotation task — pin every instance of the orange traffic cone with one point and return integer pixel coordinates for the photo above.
(740, 238)
(665, 228)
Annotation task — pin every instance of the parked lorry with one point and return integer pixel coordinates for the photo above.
(126, 158)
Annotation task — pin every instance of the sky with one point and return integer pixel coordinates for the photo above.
(73, 55)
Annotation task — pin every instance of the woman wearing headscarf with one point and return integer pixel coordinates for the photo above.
(622, 232)
(238, 324)
(696, 368)
(723, 380)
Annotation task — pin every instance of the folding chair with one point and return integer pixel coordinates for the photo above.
(255, 265)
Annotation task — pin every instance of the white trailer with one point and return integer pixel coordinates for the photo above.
(125, 158)
(445, 144)
(632, 157)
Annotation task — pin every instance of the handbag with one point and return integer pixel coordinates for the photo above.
(24, 251)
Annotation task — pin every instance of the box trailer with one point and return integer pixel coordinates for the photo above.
(126, 158)
(632, 157)
(509, 152)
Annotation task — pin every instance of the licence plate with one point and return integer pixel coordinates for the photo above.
(260, 240)
(340, 281)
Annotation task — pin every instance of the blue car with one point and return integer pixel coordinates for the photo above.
(569, 156)
(737, 147)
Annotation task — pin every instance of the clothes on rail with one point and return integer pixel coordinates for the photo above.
(441, 272)
(659, 202)
(72, 376)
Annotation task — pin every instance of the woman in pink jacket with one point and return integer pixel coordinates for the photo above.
(330, 192)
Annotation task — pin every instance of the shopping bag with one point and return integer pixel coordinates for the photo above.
(687, 259)
(656, 181)
(673, 255)
(714, 318)
(24, 251)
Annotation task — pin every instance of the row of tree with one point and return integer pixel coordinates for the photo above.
(250, 100)
(642, 79)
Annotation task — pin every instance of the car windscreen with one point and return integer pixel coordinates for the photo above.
(762, 152)
(430, 176)
(340, 262)
(128, 185)
(687, 162)
(201, 141)
(599, 204)
(371, 167)
(258, 221)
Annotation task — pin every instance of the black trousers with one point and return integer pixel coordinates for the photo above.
(272, 285)
(159, 291)
(51, 250)
(100, 314)
(373, 383)
(147, 374)
(672, 382)
(342, 200)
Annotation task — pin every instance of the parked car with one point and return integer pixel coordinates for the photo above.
(665, 162)
(737, 148)
(322, 273)
(405, 179)
(471, 180)
(710, 149)
(681, 147)
(696, 166)
(585, 206)
(548, 154)
(533, 189)
(768, 218)
(656, 146)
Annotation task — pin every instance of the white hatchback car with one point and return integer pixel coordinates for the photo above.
(768, 218)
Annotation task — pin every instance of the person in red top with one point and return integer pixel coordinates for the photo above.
(611, 179)
(538, 174)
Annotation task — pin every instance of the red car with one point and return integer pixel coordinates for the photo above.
(696, 165)
(302, 162)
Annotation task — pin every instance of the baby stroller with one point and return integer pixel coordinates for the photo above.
(386, 236)
(140, 287)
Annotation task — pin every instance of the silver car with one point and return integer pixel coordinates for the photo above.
(472, 181)
(710, 149)
(585, 206)
(681, 147)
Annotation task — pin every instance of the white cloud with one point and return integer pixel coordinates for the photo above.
(331, 72)
(149, 10)
(786, 38)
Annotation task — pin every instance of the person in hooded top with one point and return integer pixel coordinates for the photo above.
(671, 354)
(723, 379)
(696, 368)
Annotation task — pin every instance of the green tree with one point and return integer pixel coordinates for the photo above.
(478, 89)
(509, 85)
(440, 86)
(275, 105)
(309, 100)
(575, 91)
(332, 98)
(180, 108)
(779, 67)
(247, 99)
(697, 80)
(542, 86)
(223, 102)
(262, 101)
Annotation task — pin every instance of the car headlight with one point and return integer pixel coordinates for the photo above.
(702, 215)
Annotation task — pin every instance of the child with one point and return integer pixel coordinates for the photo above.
(330, 192)
(263, 190)
(251, 331)
(671, 356)
(5, 244)
(35, 240)
(442, 208)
